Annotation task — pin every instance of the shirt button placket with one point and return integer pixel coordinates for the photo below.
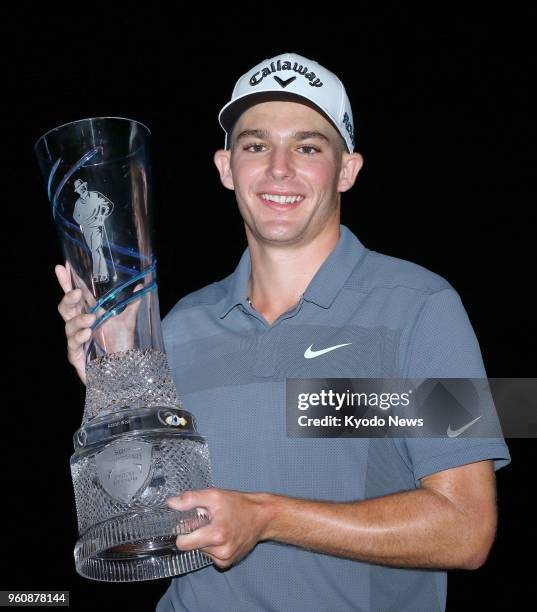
(266, 353)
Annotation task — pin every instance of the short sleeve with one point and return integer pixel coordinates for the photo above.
(443, 344)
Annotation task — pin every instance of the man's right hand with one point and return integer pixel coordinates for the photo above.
(77, 324)
(116, 334)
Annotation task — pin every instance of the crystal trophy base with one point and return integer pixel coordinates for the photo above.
(126, 463)
(140, 546)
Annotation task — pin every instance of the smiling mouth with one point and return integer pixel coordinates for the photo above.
(281, 200)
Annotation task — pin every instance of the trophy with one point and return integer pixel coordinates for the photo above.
(136, 445)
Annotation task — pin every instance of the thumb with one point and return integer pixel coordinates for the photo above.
(185, 501)
(64, 278)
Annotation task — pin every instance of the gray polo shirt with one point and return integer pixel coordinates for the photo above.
(397, 320)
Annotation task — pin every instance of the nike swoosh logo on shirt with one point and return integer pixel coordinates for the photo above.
(310, 354)
(453, 433)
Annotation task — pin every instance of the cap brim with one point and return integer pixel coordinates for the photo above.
(233, 110)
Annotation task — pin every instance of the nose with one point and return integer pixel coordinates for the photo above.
(280, 163)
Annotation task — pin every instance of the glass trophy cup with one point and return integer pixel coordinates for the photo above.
(136, 445)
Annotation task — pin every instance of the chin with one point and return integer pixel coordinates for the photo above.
(279, 232)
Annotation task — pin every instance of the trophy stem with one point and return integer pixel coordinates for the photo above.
(126, 379)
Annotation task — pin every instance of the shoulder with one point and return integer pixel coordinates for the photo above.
(210, 295)
(378, 271)
(195, 316)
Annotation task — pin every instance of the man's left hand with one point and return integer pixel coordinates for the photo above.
(237, 523)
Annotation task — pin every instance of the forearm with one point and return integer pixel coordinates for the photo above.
(418, 528)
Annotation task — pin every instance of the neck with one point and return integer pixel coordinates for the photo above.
(280, 275)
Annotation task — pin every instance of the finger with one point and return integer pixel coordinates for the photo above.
(88, 296)
(71, 304)
(76, 341)
(64, 278)
(220, 563)
(213, 555)
(79, 323)
(213, 558)
(187, 500)
(200, 538)
(219, 555)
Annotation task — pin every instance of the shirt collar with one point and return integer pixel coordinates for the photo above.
(238, 286)
(336, 269)
(323, 287)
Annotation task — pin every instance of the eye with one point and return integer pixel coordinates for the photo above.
(255, 144)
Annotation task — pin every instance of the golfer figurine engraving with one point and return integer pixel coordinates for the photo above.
(91, 209)
(137, 445)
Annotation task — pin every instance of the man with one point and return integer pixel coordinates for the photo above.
(91, 210)
(316, 524)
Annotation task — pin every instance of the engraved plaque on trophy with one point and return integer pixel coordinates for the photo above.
(136, 445)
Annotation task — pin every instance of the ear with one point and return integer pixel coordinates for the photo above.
(222, 161)
(351, 163)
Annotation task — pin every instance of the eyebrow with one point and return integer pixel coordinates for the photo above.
(304, 135)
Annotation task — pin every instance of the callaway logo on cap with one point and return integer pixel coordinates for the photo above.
(291, 77)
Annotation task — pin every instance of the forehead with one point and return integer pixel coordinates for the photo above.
(279, 117)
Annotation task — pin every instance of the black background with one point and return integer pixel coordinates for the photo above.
(442, 112)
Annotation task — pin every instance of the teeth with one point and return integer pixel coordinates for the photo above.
(281, 199)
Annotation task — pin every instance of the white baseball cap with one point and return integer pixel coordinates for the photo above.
(291, 77)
